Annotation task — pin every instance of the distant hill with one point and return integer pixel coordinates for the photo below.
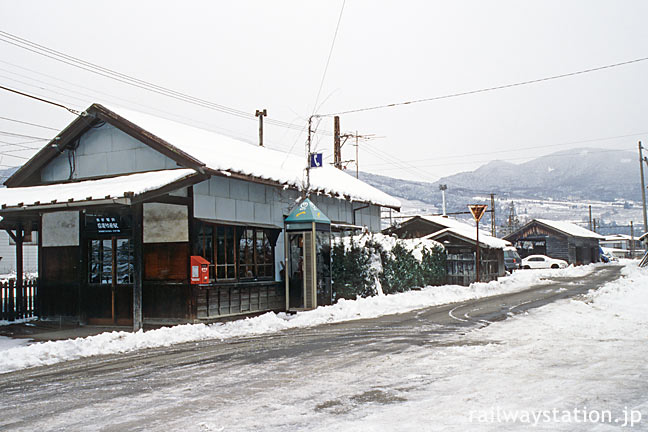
(584, 174)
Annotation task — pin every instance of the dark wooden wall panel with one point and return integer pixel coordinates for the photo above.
(166, 261)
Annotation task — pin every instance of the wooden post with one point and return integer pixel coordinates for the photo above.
(261, 114)
(20, 300)
(477, 263)
(492, 197)
(631, 240)
(11, 303)
(643, 188)
(337, 151)
(138, 257)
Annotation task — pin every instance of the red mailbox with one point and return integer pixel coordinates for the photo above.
(199, 270)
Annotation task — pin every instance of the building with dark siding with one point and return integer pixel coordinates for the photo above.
(557, 239)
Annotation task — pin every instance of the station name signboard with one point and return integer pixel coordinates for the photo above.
(107, 224)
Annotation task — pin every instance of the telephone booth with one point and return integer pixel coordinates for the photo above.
(308, 257)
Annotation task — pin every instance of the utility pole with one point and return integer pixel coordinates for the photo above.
(261, 114)
(631, 240)
(643, 188)
(590, 218)
(308, 157)
(337, 147)
(493, 214)
(594, 224)
(358, 161)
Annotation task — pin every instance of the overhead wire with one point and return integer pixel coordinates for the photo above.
(7, 133)
(91, 98)
(519, 149)
(28, 123)
(73, 111)
(488, 89)
(579, 152)
(132, 81)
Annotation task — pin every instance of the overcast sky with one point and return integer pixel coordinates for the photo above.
(251, 55)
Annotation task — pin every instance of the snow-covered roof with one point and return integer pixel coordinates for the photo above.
(617, 237)
(221, 153)
(570, 229)
(452, 223)
(91, 190)
(471, 234)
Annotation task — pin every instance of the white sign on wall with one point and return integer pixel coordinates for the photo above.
(165, 223)
(60, 229)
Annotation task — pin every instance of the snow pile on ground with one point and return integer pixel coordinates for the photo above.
(47, 353)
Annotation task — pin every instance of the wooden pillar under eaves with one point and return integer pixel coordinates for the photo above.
(20, 300)
(138, 257)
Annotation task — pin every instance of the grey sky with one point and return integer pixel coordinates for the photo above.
(251, 55)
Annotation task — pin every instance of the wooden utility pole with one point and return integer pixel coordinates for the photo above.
(357, 159)
(337, 147)
(631, 240)
(643, 188)
(261, 114)
(590, 218)
(493, 214)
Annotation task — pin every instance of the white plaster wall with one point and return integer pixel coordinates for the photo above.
(106, 151)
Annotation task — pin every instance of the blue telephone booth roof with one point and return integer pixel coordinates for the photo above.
(306, 211)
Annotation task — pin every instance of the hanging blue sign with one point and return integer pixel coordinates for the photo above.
(316, 160)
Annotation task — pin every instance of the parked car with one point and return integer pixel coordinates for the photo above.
(512, 260)
(542, 262)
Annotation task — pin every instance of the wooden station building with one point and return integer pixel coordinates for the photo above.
(142, 220)
(557, 239)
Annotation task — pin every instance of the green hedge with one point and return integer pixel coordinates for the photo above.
(361, 266)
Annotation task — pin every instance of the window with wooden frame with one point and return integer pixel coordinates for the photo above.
(237, 252)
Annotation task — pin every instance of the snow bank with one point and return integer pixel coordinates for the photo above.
(48, 353)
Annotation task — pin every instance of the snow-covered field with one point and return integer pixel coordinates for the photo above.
(46, 353)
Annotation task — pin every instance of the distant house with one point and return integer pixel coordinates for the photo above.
(622, 245)
(142, 220)
(557, 239)
(459, 239)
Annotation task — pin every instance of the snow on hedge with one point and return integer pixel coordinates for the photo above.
(47, 353)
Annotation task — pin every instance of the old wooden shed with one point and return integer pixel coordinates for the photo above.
(557, 239)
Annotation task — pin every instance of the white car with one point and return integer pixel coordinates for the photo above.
(542, 262)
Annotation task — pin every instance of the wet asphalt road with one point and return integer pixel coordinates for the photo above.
(150, 389)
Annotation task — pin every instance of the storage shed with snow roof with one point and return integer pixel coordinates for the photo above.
(557, 239)
(122, 201)
(421, 226)
(460, 245)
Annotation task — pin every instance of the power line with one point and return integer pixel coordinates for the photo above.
(132, 81)
(329, 57)
(7, 133)
(507, 159)
(91, 98)
(488, 89)
(28, 123)
(73, 111)
(519, 149)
